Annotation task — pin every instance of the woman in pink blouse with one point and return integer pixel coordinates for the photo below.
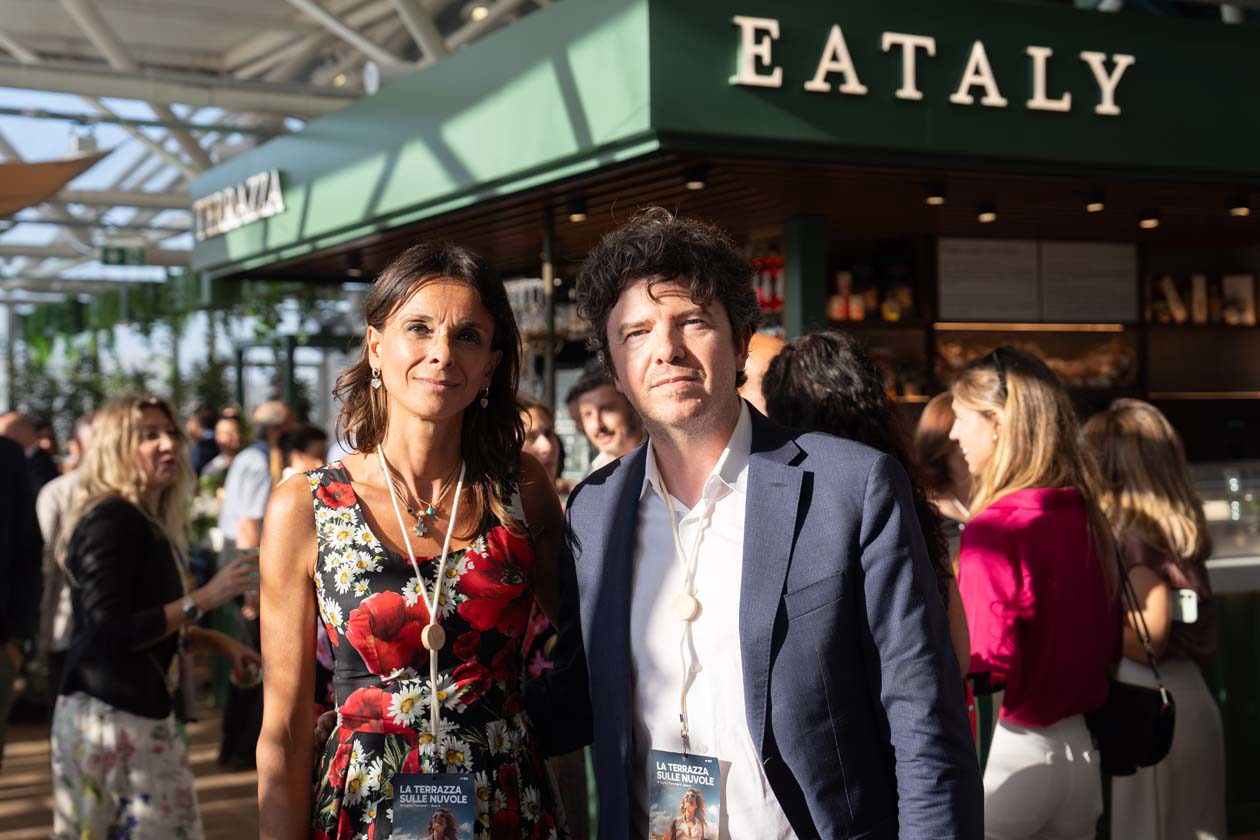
(1038, 581)
(1149, 496)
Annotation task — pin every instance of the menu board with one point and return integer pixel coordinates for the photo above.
(988, 280)
(1089, 281)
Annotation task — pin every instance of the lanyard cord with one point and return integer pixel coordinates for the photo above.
(689, 587)
(430, 603)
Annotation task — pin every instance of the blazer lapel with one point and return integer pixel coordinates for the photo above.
(607, 624)
(774, 493)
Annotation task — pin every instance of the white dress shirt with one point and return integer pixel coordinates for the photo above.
(718, 725)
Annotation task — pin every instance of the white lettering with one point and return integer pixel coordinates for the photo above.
(753, 49)
(1039, 102)
(1107, 82)
(909, 43)
(258, 197)
(275, 196)
(978, 72)
(836, 59)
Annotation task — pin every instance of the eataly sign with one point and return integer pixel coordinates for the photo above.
(756, 68)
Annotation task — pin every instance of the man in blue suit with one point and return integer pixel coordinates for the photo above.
(743, 594)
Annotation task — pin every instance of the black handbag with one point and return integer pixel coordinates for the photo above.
(1134, 728)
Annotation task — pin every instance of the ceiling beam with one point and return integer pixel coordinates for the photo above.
(151, 87)
(98, 31)
(346, 33)
(96, 224)
(422, 28)
(17, 50)
(154, 256)
(168, 200)
(69, 286)
(474, 29)
(98, 119)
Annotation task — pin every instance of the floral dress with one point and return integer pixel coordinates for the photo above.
(373, 609)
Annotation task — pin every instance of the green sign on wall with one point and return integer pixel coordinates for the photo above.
(1037, 88)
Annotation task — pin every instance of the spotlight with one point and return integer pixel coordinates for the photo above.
(1149, 220)
(354, 264)
(1095, 203)
(576, 208)
(987, 214)
(935, 196)
(478, 12)
(696, 177)
(1240, 208)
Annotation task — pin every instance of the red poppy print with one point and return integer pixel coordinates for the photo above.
(472, 680)
(507, 666)
(336, 495)
(497, 588)
(386, 632)
(543, 827)
(467, 644)
(510, 783)
(505, 825)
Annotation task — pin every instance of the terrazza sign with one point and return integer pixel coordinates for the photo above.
(835, 70)
(257, 197)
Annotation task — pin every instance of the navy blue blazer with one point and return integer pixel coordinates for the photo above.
(850, 681)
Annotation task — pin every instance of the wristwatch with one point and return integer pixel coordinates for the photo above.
(189, 607)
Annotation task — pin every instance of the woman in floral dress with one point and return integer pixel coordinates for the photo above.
(432, 397)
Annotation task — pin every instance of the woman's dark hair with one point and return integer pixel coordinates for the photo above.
(826, 382)
(490, 437)
(657, 246)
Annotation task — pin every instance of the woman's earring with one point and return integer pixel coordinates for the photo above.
(485, 397)
(995, 437)
(376, 379)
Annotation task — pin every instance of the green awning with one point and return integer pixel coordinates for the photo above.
(587, 83)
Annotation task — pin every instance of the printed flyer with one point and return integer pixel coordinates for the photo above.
(434, 807)
(684, 796)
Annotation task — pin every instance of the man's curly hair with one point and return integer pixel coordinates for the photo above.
(657, 246)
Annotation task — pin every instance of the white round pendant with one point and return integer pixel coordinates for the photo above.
(433, 637)
(686, 607)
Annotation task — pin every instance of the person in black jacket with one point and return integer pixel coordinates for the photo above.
(40, 467)
(20, 550)
(120, 765)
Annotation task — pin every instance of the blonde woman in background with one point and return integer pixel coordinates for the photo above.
(1146, 491)
(1038, 582)
(120, 764)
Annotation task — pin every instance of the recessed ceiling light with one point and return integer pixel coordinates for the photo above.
(1149, 220)
(478, 12)
(935, 196)
(696, 177)
(986, 215)
(1096, 202)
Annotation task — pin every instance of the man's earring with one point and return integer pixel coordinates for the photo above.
(485, 396)
(376, 379)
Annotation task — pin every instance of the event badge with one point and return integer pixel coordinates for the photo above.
(434, 805)
(685, 794)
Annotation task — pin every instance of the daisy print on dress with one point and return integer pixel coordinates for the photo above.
(374, 611)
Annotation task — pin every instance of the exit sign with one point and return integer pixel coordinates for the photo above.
(123, 255)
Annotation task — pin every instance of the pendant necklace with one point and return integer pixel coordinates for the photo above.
(425, 510)
(433, 637)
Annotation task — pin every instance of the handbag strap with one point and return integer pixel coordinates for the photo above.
(1139, 625)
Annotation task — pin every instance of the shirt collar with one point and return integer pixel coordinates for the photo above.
(730, 470)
